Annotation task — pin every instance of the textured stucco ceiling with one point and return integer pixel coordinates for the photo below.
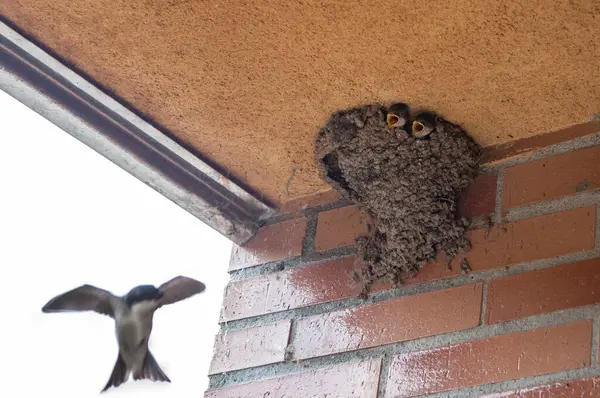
(247, 84)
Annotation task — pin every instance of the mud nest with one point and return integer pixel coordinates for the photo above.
(407, 173)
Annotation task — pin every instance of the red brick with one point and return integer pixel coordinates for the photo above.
(553, 177)
(532, 239)
(388, 322)
(356, 380)
(582, 388)
(479, 199)
(507, 357)
(252, 347)
(305, 202)
(548, 290)
(340, 227)
(295, 288)
(271, 243)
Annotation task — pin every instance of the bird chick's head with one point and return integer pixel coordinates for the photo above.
(142, 293)
(423, 125)
(397, 115)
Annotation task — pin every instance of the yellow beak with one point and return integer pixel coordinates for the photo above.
(417, 127)
(419, 130)
(392, 119)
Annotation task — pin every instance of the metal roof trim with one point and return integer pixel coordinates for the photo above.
(51, 89)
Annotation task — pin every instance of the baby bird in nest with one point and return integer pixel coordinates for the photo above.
(397, 115)
(423, 124)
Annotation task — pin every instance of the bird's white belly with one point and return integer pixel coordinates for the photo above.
(129, 332)
(133, 326)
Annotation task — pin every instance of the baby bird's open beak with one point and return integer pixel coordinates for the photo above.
(420, 130)
(397, 115)
(423, 125)
(394, 120)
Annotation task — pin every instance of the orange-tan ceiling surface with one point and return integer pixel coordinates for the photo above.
(247, 84)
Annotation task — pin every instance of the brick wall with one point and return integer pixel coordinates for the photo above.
(524, 322)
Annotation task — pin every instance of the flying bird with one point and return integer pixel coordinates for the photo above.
(397, 115)
(133, 315)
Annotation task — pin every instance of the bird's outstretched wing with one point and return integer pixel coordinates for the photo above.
(83, 298)
(179, 288)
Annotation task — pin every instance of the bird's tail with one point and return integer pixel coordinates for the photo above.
(118, 375)
(151, 370)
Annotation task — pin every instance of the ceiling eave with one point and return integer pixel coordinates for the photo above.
(51, 89)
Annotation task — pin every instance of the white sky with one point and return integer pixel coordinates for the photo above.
(68, 216)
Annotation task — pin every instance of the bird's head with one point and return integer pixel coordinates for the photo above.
(423, 125)
(142, 293)
(397, 115)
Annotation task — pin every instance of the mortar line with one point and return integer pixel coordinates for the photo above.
(237, 377)
(289, 353)
(338, 204)
(278, 218)
(561, 148)
(498, 216)
(410, 290)
(263, 269)
(519, 384)
(383, 375)
(294, 262)
(595, 331)
(564, 317)
(552, 206)
(310, 234)
(484, 294)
